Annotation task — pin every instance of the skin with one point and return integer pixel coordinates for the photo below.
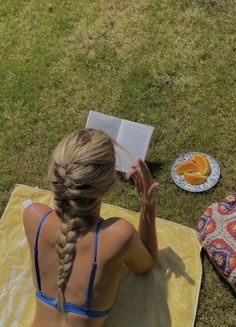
(119, 245)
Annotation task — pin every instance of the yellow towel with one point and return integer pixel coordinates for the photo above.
(165, 297)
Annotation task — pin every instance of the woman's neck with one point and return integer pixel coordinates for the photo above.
(96, 213)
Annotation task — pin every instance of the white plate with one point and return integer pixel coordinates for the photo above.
(212, 179)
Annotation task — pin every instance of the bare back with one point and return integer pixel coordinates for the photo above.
(114, 239)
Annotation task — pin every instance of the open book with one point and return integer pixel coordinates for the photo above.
(132, 136)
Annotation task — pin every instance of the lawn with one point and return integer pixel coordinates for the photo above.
(170, 64)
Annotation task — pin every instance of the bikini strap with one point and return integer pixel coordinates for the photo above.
(36, 262)
(94, 267)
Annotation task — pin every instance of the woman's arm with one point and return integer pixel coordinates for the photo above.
(146, 190)
(147, 229)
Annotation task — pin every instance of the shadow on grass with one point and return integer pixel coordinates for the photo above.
(155, 166)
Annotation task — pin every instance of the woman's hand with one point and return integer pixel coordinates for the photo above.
(143, 181)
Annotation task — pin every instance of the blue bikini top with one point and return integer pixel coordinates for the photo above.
(69, 307)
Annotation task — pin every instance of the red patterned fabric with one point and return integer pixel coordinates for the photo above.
(217, 234)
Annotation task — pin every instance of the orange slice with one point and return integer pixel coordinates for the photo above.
(186, 166)
(202, 163)
(194, 178)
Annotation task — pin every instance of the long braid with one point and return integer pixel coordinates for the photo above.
(66, 242)
(82, 172)
(66, 251)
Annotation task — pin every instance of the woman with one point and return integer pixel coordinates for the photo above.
(77, 256)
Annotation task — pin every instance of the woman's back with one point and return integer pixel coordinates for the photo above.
(113, 241)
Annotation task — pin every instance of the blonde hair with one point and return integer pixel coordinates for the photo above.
(81, 172)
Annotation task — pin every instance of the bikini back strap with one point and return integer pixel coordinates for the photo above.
(94, 267)
(36, 262)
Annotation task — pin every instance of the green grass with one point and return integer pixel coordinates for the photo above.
(170, 64)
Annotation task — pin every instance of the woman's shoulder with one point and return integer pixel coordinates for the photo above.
(32, 215)
(119, 228)
(35, 212)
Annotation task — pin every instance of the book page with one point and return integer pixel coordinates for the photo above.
(106, 123)
(135, 138)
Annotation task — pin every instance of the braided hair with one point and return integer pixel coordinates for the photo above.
(81, 172)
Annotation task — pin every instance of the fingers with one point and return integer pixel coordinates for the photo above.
(152, 189)
(143, 181)
(131, 172)
(134, 175)
(137, 179)
(145, 171)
